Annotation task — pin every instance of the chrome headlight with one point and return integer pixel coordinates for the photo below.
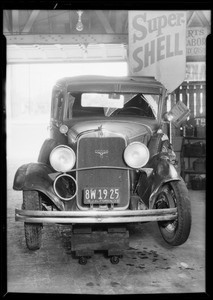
(62, 158)
(136, 155)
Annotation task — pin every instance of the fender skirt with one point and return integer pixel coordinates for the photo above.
(163, 172)
(37, 176)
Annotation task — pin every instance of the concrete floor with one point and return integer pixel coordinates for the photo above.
(148, 266)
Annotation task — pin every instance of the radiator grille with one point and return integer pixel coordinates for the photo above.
(102, 151)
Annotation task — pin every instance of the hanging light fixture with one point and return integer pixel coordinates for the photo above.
(79, 25)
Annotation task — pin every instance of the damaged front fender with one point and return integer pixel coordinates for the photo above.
(158, 171)
(37, 176)
(164, 172)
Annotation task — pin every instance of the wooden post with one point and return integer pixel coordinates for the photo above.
(184, 93)
(191, 100)
(204, 100)
(177, 93)
(198, 100)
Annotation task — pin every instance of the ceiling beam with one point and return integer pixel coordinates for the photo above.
(6, 30)
(30, 21)
(49, 22)
(59, 53)
(66, 39)
(7, 24)
(190, 18)
(70, 21)
(61, 60)
(203, 18)
(118, 21)
(89, 14)
(15, 21)
(105, 22)
(126, 24)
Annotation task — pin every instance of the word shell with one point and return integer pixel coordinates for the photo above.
(157, 46)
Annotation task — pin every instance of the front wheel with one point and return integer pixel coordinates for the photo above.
(175, 194)
(32, 201)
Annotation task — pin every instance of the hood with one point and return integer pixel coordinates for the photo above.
(130, 130)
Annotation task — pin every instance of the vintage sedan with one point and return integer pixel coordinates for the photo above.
(108, 161)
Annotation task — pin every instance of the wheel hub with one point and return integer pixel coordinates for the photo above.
(170, 227)
(166, 200)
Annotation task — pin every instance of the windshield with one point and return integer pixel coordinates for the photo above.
(111, 105)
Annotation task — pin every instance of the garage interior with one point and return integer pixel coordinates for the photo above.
(45, 45)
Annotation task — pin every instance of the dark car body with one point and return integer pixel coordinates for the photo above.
(101, 187)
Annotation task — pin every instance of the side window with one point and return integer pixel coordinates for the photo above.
(71, 100)
(57, 104)
(68, 106)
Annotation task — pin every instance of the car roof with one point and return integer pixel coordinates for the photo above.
(110, 83)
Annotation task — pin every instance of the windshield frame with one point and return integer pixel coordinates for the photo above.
(154, 112)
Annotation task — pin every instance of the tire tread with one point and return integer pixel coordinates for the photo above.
(184, 215)
(33, 232)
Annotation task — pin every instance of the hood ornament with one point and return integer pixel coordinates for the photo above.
(101, 152)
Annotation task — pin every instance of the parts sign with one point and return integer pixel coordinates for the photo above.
(157, 46)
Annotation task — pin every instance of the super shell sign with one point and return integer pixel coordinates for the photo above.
(157, 46)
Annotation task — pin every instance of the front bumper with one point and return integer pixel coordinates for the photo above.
(85, 217)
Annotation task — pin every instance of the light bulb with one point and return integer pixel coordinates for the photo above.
(79, 25)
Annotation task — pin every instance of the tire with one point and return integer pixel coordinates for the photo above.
(32, 201)
(175, 194)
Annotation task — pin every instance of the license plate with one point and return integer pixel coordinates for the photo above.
(101, 195)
